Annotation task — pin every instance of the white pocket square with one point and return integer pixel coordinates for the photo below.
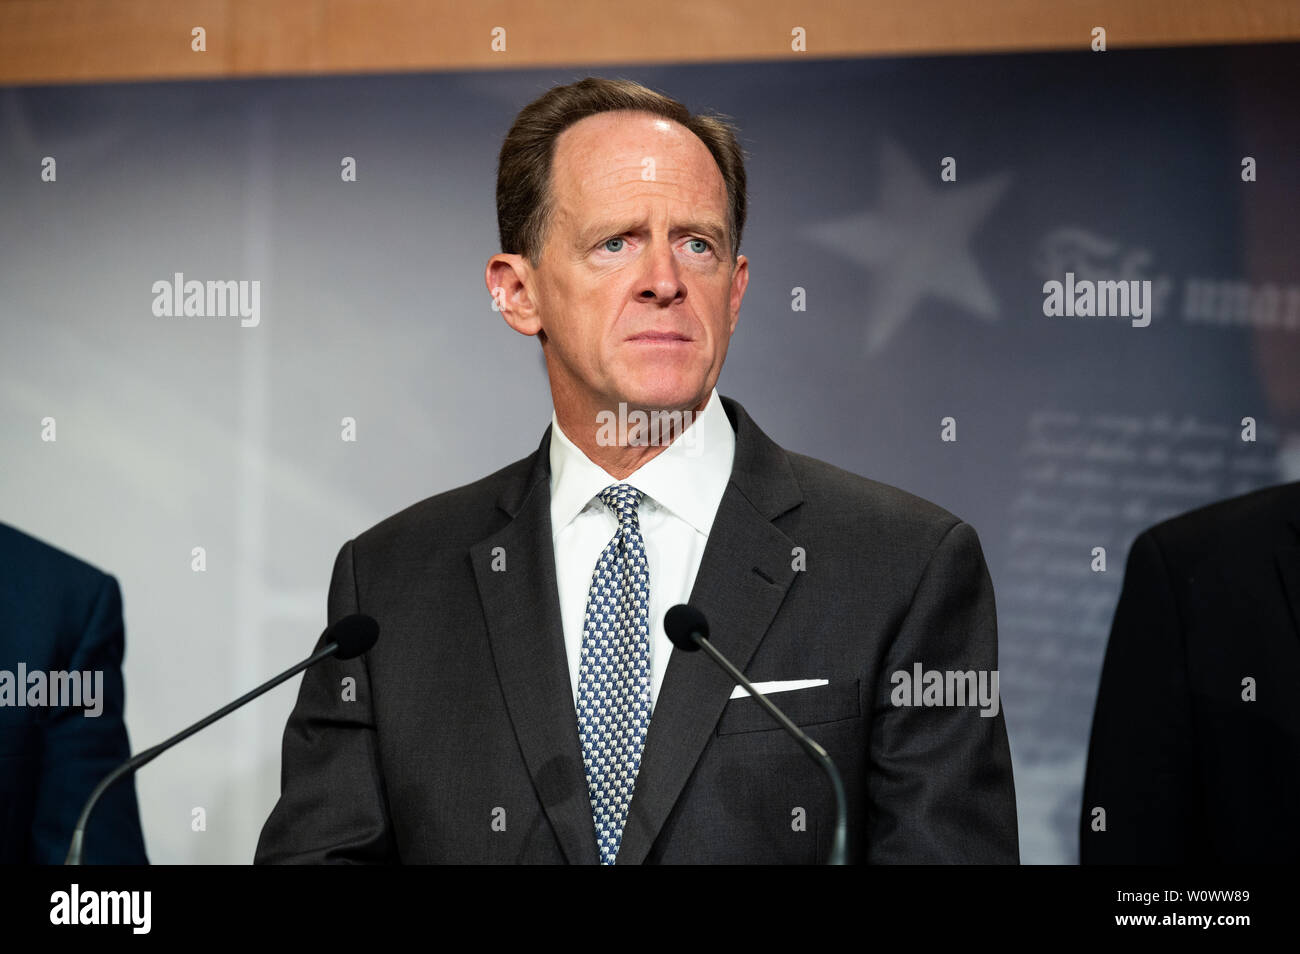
(781, 685)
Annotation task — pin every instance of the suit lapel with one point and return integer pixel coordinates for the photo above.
(522, 610)
(744, 575)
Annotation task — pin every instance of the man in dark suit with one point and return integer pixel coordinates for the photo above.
(523, 703)
(1195, 750)
(60, 615)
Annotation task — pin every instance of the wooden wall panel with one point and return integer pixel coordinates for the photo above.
(57, 41)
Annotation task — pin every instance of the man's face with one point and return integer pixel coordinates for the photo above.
(635, 292)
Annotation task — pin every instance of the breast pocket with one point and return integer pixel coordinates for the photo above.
(805, 707)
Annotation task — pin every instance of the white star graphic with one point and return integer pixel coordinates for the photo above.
(917, 244)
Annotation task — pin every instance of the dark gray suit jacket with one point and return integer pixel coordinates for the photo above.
(461, 744)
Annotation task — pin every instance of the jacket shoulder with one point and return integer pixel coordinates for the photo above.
(1229, 530)
(51, 598)
(864, 505)
(40, 569)
(459, 517)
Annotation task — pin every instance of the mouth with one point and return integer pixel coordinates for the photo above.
(660, 337)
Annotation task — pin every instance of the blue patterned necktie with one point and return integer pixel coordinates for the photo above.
(614, 671)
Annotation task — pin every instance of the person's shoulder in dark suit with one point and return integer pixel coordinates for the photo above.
(1240, 527)
(59, 614)
(909, 522)
(416, 555)
(450, 521)
(1196, 737)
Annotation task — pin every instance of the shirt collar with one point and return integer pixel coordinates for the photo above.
(688, 477)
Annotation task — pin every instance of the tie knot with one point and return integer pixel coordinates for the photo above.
(623, 499)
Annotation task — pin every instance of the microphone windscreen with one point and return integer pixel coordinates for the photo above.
(681, 622)
(355, 635)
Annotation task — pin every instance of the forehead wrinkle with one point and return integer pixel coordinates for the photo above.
(616, 190)
(672, 160)
(630, 174)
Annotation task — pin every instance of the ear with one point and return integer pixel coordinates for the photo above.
(510, 281)
(739, 282)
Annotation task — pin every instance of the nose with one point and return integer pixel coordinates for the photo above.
(662, 280)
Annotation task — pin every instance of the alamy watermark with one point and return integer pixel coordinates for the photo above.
(212, 299)
(1098, 299)
(933, 687)
(129, 908)
(638, 428)
(55, 689)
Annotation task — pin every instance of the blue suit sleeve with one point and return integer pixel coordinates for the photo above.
(79, 749)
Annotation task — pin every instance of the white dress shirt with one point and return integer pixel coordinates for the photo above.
(683, 486)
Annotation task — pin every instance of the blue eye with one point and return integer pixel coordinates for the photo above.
(702, 242)
(608, 249)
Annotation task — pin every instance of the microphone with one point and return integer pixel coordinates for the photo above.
(689, 631)
(349, 637)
